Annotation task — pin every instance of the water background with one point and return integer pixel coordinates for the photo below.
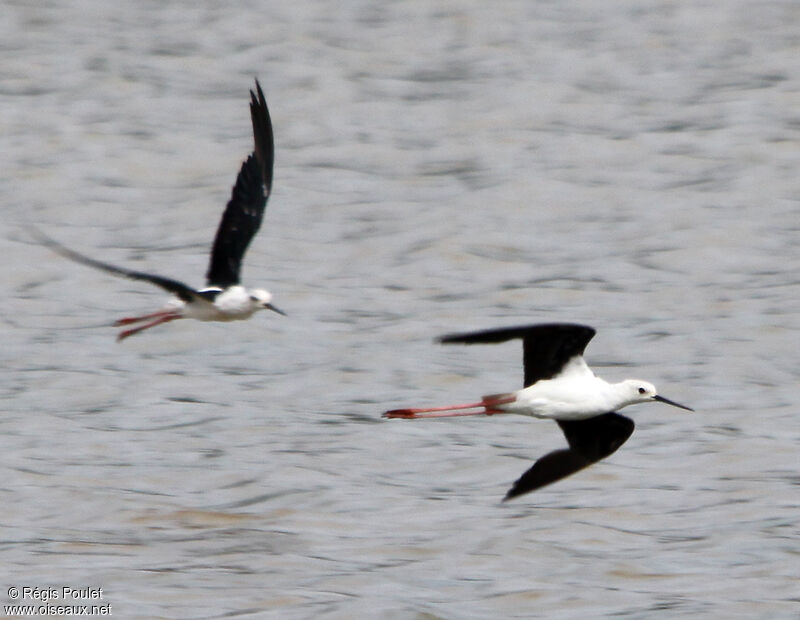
(440, 166)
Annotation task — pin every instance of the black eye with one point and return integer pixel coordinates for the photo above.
(642, 390)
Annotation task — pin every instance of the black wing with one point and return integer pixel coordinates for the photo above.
(186, 293)
(242, 217)
(589, 441)
(547, 347)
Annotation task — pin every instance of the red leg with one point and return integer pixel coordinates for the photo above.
(138, 319)
(414, 413)
(161, 319)
(411, 414)
(487, 405)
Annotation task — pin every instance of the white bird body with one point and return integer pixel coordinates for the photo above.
(235, 303)
(575, 394)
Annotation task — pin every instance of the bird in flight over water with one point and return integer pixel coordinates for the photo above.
(559, 386)
(223, 298)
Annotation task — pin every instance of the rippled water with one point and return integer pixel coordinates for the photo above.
(440, 166)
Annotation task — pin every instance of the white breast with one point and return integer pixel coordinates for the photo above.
(234, 303)
(575, 394)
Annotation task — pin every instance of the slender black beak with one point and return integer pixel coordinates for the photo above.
(275, 309)
(661, 399)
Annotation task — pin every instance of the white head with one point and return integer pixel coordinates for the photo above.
(262, 300)
(637, 391)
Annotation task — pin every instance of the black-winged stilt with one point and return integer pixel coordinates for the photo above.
(224, 298)
(560, 386)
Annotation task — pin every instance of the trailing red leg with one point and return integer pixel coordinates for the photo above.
(145, 317)
(163, 318)
(487, 406)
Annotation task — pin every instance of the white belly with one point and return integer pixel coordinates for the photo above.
(233, 304)
(562, 399)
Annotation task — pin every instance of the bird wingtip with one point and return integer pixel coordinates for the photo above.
(511, 494)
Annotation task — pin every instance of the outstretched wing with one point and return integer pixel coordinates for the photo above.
(589, 441)
(242, 217)
(175, 287)
(547, 347)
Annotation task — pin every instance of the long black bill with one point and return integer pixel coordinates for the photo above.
(279, 311)
(661, 399)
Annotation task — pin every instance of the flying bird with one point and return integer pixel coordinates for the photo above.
(559, 386)
(223, 298)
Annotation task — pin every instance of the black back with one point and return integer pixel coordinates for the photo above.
(546, 347)
(589, 441)
(242, 217)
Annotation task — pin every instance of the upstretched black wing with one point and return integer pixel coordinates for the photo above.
(589, 441)
(547, 347)
(186, 293)
(242, 217)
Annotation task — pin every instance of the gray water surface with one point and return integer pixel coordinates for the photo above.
(440, 166)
